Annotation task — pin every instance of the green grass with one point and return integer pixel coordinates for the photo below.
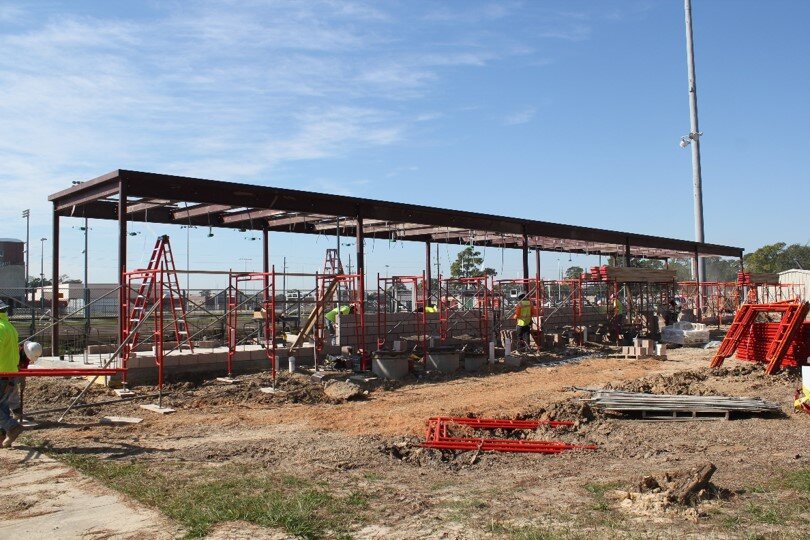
(799, 480)
(764, 514)
(530, 532)
(230, 493)
(598, 490)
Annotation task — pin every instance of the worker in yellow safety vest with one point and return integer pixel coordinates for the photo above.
(331, 316)
(523, 318)
(431, 309)
(9, 363)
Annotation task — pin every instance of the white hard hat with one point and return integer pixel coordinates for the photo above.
(33, 350)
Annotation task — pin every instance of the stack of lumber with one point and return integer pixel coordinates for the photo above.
(755, 344)
(616, 401)
(631, 275)
(750, 278)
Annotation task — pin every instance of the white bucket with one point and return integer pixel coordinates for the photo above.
(291, 361)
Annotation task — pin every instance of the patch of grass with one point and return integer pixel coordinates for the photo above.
(764, 514)
(799, 480)
(459, 510)
(598, 490)
(230, 493)
(530, 532)
(372, 476)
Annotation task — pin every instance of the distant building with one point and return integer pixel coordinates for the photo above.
(12, 270)
(800, 278)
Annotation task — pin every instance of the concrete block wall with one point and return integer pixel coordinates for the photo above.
(399, 326)
(591, 316)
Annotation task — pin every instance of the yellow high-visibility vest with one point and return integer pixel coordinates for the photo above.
(523, 313)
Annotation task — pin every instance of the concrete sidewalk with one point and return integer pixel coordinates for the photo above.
(43, 498)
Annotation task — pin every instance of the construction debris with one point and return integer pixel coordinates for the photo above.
(121, 420)
(438, 436)
(342, 390)
(679, 407)
(670, 492)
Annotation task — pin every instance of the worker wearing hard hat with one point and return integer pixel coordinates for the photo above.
(9, 360)
(30, 351)
(523, 322)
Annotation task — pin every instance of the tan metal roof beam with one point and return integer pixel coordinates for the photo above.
(249, 215)
(199, 210)
(146, 204)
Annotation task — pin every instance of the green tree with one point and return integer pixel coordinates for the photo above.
(573, 272)
(778, 257)
(468, 264)
(718, 269)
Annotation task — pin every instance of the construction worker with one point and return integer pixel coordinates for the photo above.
(9, 360)
(331, 318)
(523, 324)
(30, 351)
(431, 309)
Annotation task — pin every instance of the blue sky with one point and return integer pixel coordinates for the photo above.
(566, 111)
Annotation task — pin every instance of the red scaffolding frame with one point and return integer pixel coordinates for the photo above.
(464, 295)
(386, 285)
(268, 305)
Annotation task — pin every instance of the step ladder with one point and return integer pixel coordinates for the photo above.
(332, 266)
(158, 283)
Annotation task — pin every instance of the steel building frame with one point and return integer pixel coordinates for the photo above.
(133, 196)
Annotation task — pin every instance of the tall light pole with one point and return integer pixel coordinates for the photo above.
(42, 274)
(694, 139)
(27, 215)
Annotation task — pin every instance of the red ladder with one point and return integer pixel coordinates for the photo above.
(742, 322)
(792, 321)
(161, 263)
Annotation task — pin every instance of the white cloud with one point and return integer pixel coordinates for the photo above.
(522, 116)
(218, 89)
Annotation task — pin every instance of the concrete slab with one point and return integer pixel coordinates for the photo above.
(51, 500)
(154, 407)
(123, 392)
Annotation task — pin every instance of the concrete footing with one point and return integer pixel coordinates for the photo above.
(390, 367)
(445, 362)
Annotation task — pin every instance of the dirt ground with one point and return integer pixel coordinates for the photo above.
(369, 447)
